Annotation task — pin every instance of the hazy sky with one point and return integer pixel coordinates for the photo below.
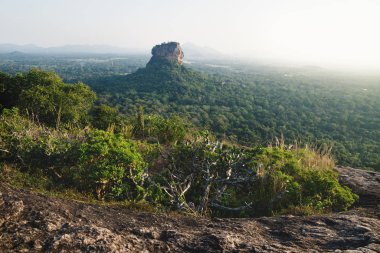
(327, 32)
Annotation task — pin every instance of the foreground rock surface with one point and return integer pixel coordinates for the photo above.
(30, 222)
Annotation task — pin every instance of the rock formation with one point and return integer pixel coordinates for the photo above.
(170, 51)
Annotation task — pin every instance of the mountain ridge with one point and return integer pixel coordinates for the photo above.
(193, 51)
(69, 49)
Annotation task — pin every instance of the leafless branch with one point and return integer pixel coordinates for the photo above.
(5, 151)
(233, 209)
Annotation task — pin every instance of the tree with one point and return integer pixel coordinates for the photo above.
(103, 116)
(202, 172)
(11, 87)
(9, 91)
(140, 123)
(166, 131)
(59, 103)
(47, 97)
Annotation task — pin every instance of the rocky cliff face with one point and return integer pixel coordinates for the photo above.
(170, 51)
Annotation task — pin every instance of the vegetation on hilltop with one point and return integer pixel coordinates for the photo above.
(157, 160)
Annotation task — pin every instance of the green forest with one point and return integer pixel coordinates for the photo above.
(239, 102)
(62, 137)
(253, 107)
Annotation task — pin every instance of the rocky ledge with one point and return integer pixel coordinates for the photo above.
(31, 222)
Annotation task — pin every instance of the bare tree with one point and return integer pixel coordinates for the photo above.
(210, 168)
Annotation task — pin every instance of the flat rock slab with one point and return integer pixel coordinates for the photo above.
(31, 222)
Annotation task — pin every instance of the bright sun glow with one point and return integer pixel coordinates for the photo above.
(343, 33)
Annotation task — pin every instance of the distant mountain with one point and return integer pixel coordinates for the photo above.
(10, 48)
(94, 49)
(196, 52)
(16, 53)
(68, 49)
(193, 52)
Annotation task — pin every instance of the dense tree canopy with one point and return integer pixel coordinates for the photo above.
(254, 109)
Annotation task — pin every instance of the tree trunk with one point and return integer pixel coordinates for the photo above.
(206, 194)
(59, 114)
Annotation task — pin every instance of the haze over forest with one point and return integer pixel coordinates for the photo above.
(328, 33)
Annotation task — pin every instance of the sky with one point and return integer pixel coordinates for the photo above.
(343, 33)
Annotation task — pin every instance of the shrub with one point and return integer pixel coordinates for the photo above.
(112, 166)
(39, 149)
(254, 181)
(165, 131)
(103, 116)
(287, 179)
(201, 175)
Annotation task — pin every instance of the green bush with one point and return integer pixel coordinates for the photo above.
(104, 116)
(112, 166)
(286, 178)
(164, 130)
(271, 180)
(39, 149)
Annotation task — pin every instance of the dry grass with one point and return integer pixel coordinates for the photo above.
(311, 157)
